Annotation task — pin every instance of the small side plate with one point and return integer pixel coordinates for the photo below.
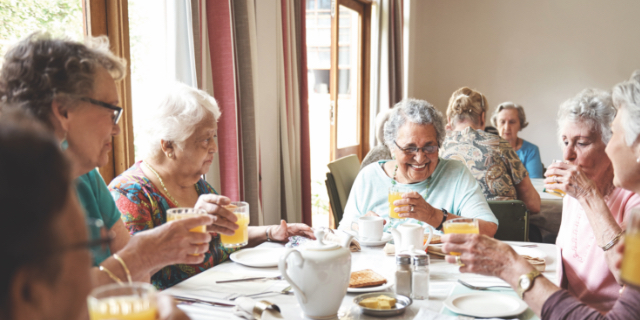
(370, 289)
(258, 257)
(402, 302)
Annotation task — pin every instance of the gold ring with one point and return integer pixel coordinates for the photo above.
(555, 179)
(411, 208)
(459, 261)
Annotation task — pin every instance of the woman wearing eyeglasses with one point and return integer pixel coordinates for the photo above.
(491, 159)
(70, 87)
(438, 189)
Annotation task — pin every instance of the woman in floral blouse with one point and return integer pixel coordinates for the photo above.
(490, 159)
(180, 145)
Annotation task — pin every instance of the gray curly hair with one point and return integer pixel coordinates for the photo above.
(627, 95)
(510, 105)
(591, 106)
(415, 111)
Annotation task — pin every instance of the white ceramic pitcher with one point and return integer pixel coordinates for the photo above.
(409, 238)
(319, 274)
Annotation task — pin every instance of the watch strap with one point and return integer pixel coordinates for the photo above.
(444, 218)
(531, 277)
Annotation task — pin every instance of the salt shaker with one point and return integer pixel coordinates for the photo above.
(420, 278)
(403, 275)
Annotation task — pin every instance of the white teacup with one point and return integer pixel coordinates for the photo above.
(370, 228)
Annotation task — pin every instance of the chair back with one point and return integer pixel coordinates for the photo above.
(334, 199)
(513, 219)
(344, 171)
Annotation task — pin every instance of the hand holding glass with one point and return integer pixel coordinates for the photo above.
(184, 213)
(395, 193)
(240, 237)
(461, 225)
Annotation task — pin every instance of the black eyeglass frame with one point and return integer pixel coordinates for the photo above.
(118, 110)
(414, 150)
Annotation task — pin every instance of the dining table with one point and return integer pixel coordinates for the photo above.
(550, 215)
(443, 284)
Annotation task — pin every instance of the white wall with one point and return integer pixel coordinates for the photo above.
(537, 53)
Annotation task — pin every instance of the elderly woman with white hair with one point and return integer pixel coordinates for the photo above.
(601, 176)
(510, 119)
(180, 145)
(437, 189)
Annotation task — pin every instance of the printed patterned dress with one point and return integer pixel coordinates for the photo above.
(144, 207)
(490, 159)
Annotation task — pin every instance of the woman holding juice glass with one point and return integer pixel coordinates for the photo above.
(417, 186)
(46, 270)
(179, 143)
(490, 257)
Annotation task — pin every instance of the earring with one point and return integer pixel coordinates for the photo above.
(170, 155)
(64, 144)
(638, 160)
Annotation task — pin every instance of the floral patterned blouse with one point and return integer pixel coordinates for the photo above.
(144, 207)
(490, 159)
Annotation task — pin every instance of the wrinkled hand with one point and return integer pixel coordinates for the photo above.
(223, 219)
(168, 310)
(282, 232)
(480, 254)
(173, 243)
(422, 210)
(570, 179)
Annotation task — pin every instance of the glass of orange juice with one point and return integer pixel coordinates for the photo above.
(183, 213)
(241, 236)
(630, 270)
(395, 193)
(461, 225)
(556, 192)
(133, 301)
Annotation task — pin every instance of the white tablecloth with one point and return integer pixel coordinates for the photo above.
(443, 280)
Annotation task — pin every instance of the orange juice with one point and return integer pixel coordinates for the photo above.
(240, 237)
(556, 192)
(123, 308)
(393, 196)
(200, 229)
(630, 271)
(461, 225)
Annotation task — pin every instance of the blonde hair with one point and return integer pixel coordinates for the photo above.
(466, 104)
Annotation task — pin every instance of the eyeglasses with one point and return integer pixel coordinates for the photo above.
(414, 150)
(117, 111)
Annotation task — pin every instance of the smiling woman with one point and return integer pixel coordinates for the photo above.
(440, 189)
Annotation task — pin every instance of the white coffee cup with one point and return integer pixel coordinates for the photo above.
(370, 228)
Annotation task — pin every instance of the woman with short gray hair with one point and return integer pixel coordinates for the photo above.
(594, 207)
(434, 189)
(510, 118)
(179, 146)
(490, 159)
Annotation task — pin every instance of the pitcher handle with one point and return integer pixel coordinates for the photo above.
(282, 266)
(431, 231)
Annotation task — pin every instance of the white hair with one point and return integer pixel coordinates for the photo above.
(590, 106)
(627, 95)
(414, 111)
(175, 118)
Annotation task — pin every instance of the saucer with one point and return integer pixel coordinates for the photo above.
(386, 237)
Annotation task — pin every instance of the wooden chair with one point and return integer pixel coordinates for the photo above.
(513, 219)
(342, 173)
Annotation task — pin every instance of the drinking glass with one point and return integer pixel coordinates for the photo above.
(630, 271)
(461, 225)
(134, 301)
(184, 213)
(556, 192)
(241, 236)
(395, 193)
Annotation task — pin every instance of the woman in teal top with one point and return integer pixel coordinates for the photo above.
(510, 119)
(440, 189)
(70, 87)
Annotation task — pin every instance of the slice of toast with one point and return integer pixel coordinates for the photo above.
(366, 278)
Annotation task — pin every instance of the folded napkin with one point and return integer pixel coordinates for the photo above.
(436, 250)
(247, 308)
(332, 237)
(538, 263)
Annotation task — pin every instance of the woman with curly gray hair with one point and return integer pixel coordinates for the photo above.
(510, 118)
(594, 207)
(436, 189)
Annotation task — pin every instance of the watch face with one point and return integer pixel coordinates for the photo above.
(525, 283)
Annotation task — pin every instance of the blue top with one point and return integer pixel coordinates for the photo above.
(529, 154)
(451, 186)
(97, 203)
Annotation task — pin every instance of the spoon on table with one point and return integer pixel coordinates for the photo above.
(286, 290)
(470, 286)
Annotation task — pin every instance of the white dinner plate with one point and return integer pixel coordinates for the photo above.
(386, 237)
(258, 257)
(532, 252)
(486, 305)
(371, 289)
